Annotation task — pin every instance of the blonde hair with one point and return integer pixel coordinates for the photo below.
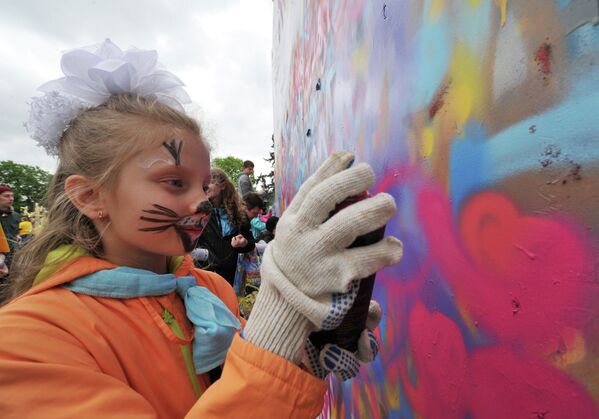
(96, 145)
(229, 198)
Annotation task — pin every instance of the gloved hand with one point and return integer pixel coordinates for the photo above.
(309, 277)
(343, 363)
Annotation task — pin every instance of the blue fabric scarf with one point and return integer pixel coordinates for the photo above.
(214, 323)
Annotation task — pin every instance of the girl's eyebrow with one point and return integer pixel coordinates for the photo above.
(171, 169)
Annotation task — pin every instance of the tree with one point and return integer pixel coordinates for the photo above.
(267, 181)
(232, 166)
(29, 183)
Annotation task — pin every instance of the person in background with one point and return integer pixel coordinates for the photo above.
(228, 231)
(266, 235)
(244, 184)
(254, 206)
(25, 229)
(9, 219)
(4, 249)
(270, 229)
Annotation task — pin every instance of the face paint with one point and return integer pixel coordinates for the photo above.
(154, 203)
(189, 228)
(174, 147)
(170, 150)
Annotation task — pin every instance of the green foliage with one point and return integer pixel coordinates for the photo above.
(232, 166)
(29, 183)
(267, 181)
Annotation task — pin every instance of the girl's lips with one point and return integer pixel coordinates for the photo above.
(192, 230)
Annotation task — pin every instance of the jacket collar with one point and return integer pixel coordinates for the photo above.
(68, 262)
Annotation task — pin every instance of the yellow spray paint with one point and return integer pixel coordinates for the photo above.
(427, 143)
(503, 7)
(465, 93)
(436, 9)
(359, 59)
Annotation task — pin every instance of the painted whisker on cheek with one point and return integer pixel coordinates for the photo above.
(188, 228)
(163, 211)
(170, 221)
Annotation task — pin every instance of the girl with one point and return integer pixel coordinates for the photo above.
(109, 316)
(228, 231)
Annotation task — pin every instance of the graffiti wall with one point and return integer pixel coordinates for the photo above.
(480, 118)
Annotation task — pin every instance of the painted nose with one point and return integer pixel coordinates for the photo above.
(200, 204)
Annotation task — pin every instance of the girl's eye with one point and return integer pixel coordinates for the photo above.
(178, 183)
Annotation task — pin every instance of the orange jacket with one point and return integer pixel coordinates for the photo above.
(64, 354)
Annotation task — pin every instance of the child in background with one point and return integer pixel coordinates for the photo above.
(109, 317)
(25, 229)
(269, 232)
(228, 232)
(254, 207)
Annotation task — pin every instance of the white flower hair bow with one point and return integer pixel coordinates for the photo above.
(92, 74)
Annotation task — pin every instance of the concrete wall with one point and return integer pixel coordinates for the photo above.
(480, 117)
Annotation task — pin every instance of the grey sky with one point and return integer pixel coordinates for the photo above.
(221, 49)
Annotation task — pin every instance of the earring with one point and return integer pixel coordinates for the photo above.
(100, 215)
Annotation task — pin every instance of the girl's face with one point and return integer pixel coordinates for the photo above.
(159, 205)
(214, 189)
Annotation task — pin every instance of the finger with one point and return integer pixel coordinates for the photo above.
(368, 346)
(361, 262)
(312, 360)
(375, 313)
(358, 219)
(335, 163)
(339, 361)
(341, 302)
(323, 198)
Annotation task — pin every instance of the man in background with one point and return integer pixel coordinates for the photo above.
(10, 220)
(243, 179)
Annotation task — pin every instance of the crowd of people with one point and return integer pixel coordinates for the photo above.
(107, 313)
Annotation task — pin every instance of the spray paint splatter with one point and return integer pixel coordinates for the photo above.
(543, 58)
(438, 101)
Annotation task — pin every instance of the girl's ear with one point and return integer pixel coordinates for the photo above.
(85, 196)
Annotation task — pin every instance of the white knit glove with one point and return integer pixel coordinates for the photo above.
(309, 277)
(343, 363)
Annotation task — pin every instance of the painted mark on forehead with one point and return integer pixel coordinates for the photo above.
(164, 158)
(174, 147)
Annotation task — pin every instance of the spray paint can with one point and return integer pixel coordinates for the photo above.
(346, 335)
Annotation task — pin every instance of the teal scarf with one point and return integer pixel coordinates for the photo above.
(214, 323)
